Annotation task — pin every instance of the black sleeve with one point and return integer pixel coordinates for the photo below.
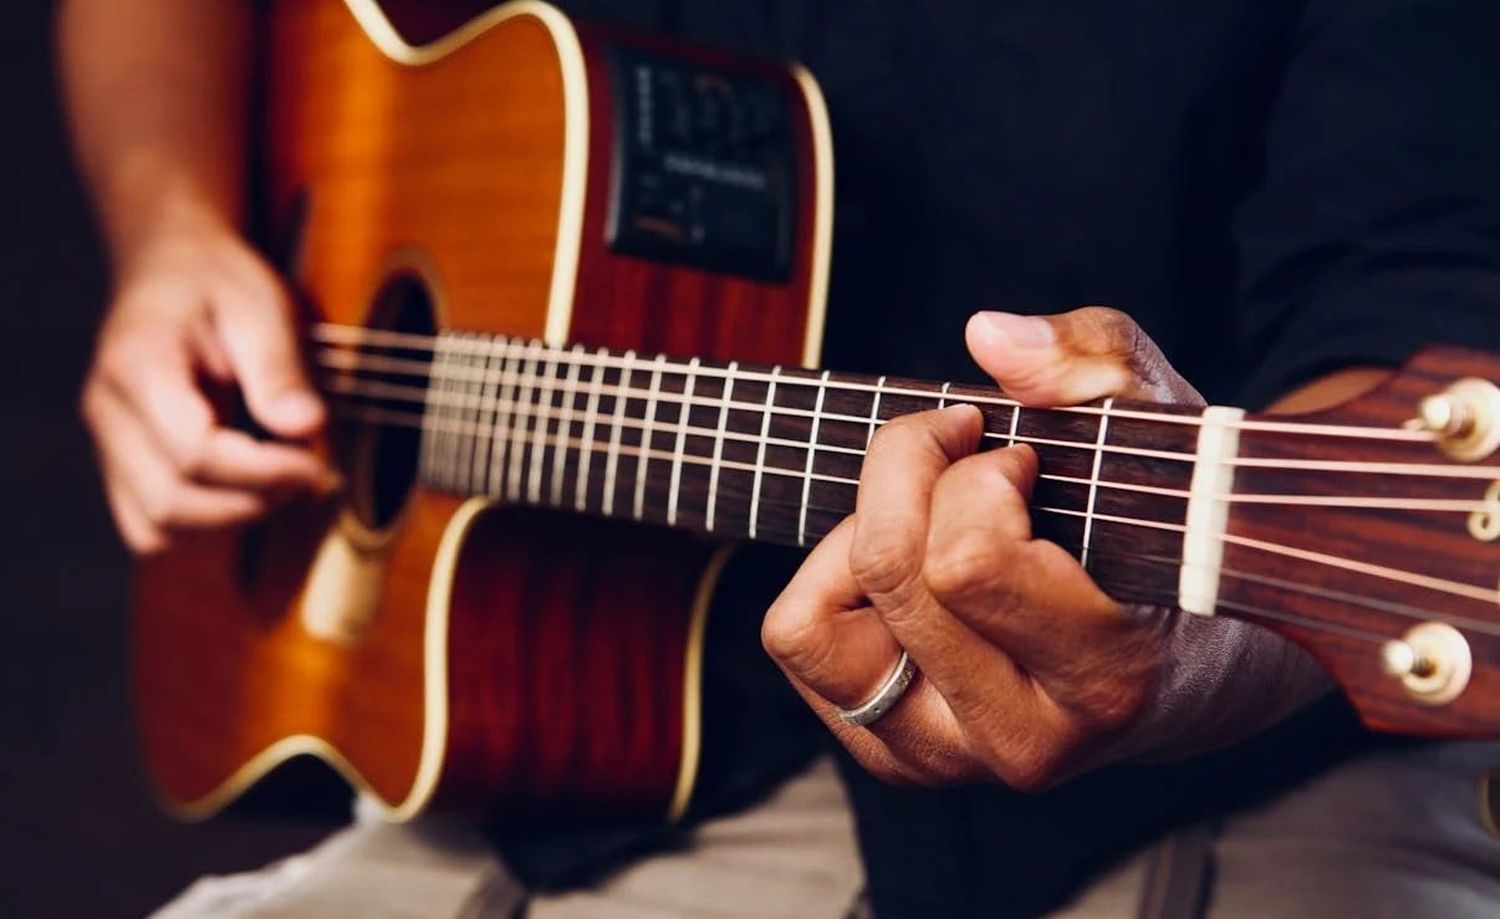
(1376, 227)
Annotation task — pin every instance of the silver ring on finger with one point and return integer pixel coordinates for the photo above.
(885, 698)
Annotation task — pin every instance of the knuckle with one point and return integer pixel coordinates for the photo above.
(162, 507)
(115, 361)
(1031, 770)
(782, 632)
(148, 542)
(790, 636)
(959, 567)
(881, 566)
(1113, 327)
(90, 399)
(193, 456)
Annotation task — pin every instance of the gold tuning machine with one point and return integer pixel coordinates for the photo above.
(1465, 418)
(1432, 661)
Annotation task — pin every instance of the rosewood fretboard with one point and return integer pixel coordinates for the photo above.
(744, 451)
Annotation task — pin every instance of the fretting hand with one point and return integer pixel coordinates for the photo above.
(1027, 672)
(197, 309)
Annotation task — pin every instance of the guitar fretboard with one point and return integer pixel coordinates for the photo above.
(762, 453)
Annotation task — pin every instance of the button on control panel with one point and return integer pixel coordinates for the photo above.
(704, 169)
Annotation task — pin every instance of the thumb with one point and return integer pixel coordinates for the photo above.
(260, 341)
(1074, 357)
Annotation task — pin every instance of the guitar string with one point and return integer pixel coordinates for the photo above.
(1337, 466)
(1412, 579)
(1396, 609)
(1291, 586)
(396, 393)
(359, 335)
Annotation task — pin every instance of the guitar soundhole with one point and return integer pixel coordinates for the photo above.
(380, 449)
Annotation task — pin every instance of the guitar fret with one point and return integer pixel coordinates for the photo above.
(943, 396)
(682, 428)
(612, 457)
(476, 361)
(545, 390)
(875, 411)
(430, 430)
(519, 430)
(565, 427)
(1015, 423)
(760, 453)
(718, 459)
(653, 393)
(488, 408)
(1088, 519)
(500, 450)
(448, 459)
(459, 410)
(469, 428)
(591, 417)
(812, 451)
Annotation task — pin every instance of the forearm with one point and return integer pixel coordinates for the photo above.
(156, 96)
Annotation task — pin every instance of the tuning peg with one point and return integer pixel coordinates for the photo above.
(1432, 661)
(1465, 419)
(1400, 660)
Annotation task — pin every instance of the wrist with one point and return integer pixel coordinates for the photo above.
(157, 207)
(1224, 681)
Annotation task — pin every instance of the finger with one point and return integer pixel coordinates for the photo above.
(164, 392)
(837, 652)
(140, 535)
(906, 746)
(895, 485)
(1028, 597)
(890, 539)
(148, 481)
(821, 630)
(977, 679)
(1075, 357)
(260, 341)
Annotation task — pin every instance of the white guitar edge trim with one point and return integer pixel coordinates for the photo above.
(692, 685)
(1207, 510)
(383, 35)
(435, 705)
(822, 249)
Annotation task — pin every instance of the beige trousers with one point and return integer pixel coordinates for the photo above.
(1392, 835)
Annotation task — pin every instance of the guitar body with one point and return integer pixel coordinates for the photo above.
(435, 650)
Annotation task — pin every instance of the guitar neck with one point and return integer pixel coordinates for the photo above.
(764, 453)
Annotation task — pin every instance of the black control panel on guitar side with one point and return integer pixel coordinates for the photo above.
(704, 171)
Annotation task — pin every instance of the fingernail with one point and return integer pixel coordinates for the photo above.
(1016, 331)
(298, 408)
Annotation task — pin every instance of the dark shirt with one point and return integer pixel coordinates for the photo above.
(1271, 188)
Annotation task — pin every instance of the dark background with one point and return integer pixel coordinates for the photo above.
(80, 834)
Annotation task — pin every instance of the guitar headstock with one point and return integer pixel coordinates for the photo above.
(1370, 535)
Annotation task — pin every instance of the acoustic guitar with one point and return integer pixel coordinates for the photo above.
(565, 292)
